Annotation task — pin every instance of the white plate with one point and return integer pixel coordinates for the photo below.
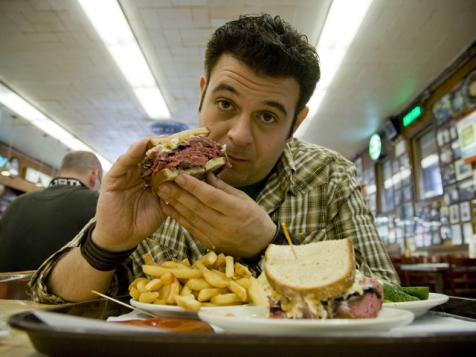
(173, 310)
(419, 307)
(253, 320)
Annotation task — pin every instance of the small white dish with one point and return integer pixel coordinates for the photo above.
(419, 307)
(253, 320)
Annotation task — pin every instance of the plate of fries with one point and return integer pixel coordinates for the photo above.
(182, 289)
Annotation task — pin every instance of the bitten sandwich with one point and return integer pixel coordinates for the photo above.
(321, 283)
(189, 151)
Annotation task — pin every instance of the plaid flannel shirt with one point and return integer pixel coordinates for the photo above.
(311, 189)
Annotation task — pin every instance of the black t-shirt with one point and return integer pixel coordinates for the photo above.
(254, 189)
(37, 224)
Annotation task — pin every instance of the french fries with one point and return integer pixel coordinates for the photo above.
(213, 280)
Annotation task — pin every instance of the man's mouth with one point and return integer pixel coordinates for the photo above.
(237, 159)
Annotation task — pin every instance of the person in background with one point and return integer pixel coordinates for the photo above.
(37, 224)
(259, 75)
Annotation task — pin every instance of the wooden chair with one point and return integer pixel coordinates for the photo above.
(462, 276)
(417, 278)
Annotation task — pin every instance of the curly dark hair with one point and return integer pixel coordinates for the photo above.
(269, 45)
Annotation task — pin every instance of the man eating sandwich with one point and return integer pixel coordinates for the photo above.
(259, 75)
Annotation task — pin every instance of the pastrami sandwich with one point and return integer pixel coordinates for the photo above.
(189, 151)
(321, 283)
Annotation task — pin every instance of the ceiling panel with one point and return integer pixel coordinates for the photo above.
(52, 56)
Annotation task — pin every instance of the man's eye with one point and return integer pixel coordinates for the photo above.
(268, 118)
(224, 105)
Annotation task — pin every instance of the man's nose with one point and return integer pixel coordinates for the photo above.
(240, 132)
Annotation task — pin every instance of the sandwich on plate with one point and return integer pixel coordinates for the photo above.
(189, 151)
(320, 282)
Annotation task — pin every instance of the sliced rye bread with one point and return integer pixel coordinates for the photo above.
(324, 269)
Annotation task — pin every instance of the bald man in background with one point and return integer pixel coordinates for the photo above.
(37, 224)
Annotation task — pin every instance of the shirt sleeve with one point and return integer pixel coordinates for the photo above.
(38, 283)
(349, 217)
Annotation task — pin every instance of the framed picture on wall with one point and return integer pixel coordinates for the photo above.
(446, 155)
(408, 212)
(454, 213)
(444, 215)
(456, 234)
(456, 149)
(448, 174)
(465, 211)
(466, 189)
(453, 132)
(468, 232)
(462, 170)
(445, 232)
(442, 109)
(435, 236)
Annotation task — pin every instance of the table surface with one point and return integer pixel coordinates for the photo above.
(18, 343)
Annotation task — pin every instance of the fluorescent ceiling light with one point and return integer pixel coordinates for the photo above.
(341, 25)
(24, 109)
(110, 23)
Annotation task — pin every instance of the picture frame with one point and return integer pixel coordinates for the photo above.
(408, 212)
(444, 214)
(445, 232)
(453, 132)
(462, 170)
(454, 214)
(465, 211)
(466, 189)
(446, 135)
(456, 149)
(446, 155)
(468, 232)
(440, 141)
(456, 234)
(454, 194)
(435, 237)
(448, 174)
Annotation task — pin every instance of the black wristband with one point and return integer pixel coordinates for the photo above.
(278, 239)
(99, 258)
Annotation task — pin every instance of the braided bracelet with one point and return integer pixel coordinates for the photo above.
(99, 258)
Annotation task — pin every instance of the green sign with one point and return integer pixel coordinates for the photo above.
(412, 115)
(375, 147)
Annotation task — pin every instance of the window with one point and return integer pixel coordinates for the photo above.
(387, 197)
(429, 184)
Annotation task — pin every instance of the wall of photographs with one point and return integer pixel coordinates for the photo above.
(422, 193)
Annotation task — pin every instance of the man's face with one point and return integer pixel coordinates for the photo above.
(249, 113)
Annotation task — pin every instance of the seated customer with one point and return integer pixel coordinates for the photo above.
(37, 224)
(259, 75)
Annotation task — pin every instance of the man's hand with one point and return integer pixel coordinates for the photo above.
(127, 211)
(218, 215)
